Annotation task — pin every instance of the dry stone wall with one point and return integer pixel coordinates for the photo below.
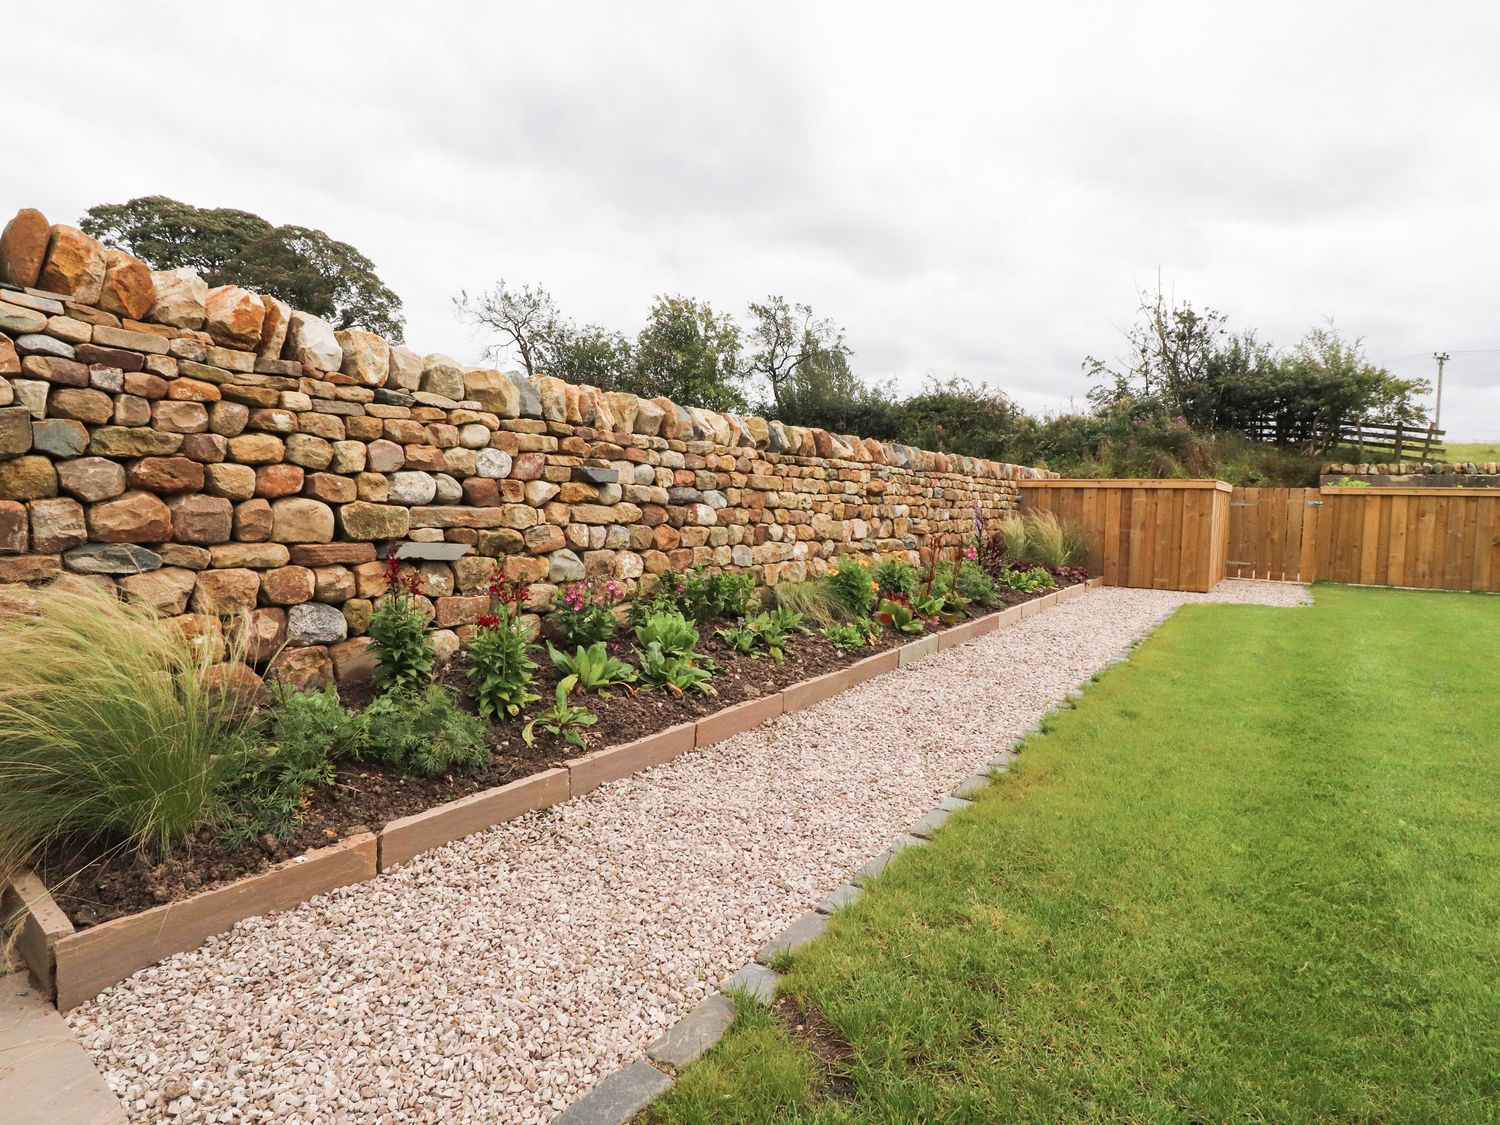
(236, 463)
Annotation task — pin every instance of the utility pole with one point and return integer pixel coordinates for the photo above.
(1437, 410)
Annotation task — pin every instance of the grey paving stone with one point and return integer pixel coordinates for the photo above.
(798, 934)
(880, 862)
(839, 899)
(756, 980)
(694, 1033)
(930, 823)
(973, 785)
(954, 804)
(618, 1098)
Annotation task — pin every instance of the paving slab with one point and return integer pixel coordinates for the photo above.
(839, 899)
(755, 980)
(930, 823)
(618, 1098)
(973, 785)
(46, 1077)
(803, 930)
(694, 1033)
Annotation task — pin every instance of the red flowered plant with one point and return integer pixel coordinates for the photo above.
(499, 667)
(398, 632)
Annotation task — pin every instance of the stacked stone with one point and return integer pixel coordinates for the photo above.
(1414, 468)
(237, 464)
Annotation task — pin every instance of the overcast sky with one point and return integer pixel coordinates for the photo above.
(971, 189)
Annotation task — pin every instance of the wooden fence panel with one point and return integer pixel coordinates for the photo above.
(1152, 534)
(1433, 538)
(1272, 533)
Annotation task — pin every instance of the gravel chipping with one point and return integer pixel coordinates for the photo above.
(500, 977)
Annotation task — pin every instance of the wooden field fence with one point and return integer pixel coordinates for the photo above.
(1187, 535)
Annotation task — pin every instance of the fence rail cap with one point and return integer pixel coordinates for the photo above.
(1455, 492)
(1134, 482)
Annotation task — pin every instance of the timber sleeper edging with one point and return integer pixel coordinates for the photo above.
(76, 965)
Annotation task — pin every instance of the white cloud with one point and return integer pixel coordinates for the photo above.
(971, 189)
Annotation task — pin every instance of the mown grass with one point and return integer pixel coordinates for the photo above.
(1253, 877)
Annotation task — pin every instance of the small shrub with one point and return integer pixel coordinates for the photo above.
(423, 733)
(676, 673)
(845, 638)
(398, 632)
(670, 631)
(593, 668)
(308, 731)
(851, 589)
(895, 576)
(813, 601)
(973, 583)
(562, 719)
(583, 613)
(896, 613)
(1027, 580)
(721, 596)
(110, 727)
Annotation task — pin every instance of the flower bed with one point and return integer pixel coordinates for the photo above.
(750, 668)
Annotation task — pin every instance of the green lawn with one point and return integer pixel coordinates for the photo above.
(1480, 452)
(1253, 877)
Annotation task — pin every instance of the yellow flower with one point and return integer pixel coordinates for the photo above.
(874, 585)
(834, 571)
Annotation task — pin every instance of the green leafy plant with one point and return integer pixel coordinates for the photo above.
(974, 584)
(851, 589)
(583, 612)
(1027, 580)
(114, 726)
(670, 631)
(845, 638)
(676, 673)
(593, 668)
(895, 576)
(715, 595)
(499, 665)
(741, 639)
(308, 730)
(398, 633)
(423, 733)
(813, 601)
(898, 614)
(766, 632)
(562, 718)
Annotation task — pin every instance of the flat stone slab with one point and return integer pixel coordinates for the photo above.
(973, 785)
(882, 861)
(756, 981)
(695, 1033)
(930, 823)
(839, 899)
(618, 1098)
(46, 1077)
(954, 804)
(794, 937)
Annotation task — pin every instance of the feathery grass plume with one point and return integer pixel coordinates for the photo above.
(813, 600)
(112, 730)
(1050, 542)
(1012, 532)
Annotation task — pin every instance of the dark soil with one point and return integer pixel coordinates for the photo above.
(92, 888)
(804, 1022)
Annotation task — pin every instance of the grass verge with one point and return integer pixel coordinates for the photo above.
(1255, 876)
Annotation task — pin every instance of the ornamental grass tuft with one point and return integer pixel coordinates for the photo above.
(112, 730)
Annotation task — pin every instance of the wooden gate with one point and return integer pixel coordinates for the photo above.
(1273, 533)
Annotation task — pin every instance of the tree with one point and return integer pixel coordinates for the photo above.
(690, 354)
(590, 355)
(526, 319)
(957, 416)
(301, 266)
(786, 337)
(824, 392)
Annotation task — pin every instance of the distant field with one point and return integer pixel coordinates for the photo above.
(1474, 451)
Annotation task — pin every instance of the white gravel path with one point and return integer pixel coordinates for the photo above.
(498, 978)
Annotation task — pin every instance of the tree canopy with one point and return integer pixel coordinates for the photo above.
(689, 353)
(303, 267)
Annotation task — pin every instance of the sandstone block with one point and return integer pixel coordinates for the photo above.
(175, 417)
(299, 520)
(15, 431)
(253, 521)
(56, 525)
(367, 357)
(29, 568)
(273, 327)
(308, 451)
(14, 528)
(329, 488)
(23, 247)
(227, 593)
(10, 364)
(135, 517)
(349, 457)
(406, 370)
(233, 482)
(257, 449)
(91, 478)
(311, 342)
(166, 474)
(234, 316)
(181, 298)
(262, 634)
(495, 391)
(305, 668)
(203, 520)
(75, 265)
(128, 290)
(27, 478)
(254, 556)
(442, 375)
(133, 441)
(166, 590)
(286, 585)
